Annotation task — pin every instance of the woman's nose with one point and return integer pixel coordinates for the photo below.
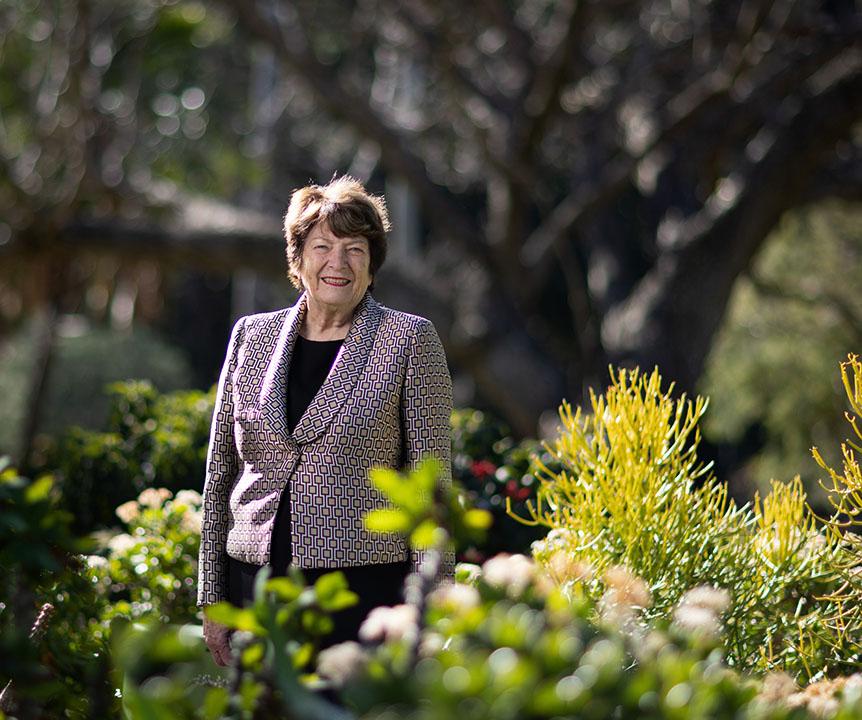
(338, 257)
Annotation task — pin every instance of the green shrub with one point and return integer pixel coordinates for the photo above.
(789, 316)
(147, 574)
(845, 495)
(152, 440)
(85, 360)
(63, 673)
(151, 571)
(160, 440)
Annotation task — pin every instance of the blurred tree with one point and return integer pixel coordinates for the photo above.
(593, 176)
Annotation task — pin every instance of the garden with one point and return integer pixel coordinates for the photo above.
(633, 587)
(635, 228)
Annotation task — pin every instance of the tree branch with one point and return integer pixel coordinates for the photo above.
(699, 262)
(355, 110)
(432, 43)
(519, 40)
(543, 97)
(690, 105)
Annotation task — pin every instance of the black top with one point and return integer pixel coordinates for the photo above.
(309, 366)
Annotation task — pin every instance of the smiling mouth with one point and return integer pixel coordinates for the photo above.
(336, 282)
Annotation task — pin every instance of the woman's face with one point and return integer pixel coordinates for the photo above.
(335, 270)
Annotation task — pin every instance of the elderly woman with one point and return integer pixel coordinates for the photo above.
(311, 398)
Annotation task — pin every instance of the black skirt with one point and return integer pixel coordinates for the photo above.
(375, 584)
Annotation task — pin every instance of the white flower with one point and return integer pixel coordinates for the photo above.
(96, 561)
(625, 595)
(191, 522)
(560, 535)
(698, 620)
(777, 687)
(340, 663)
(822, 706)
(700, 608)
(154, 497)
(512, 573)
(562, 566)
(556, 539)
(707, 596)
(625, 588)
(455, 596)
(854, 682)
(389, 624)
(431, 644)
(128, 511)
(121, 543)
(192, 498)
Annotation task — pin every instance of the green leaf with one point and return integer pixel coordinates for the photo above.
(303, 655)
(340, 601)
(316, 623)
(260, 581)
(387, 521)
(427, 535)
(425, 476)
(329, 584)
(215, 703)
(226, 614)
(397, 489)
(39, 490)
(477, 519)
(252, 655)
(284, 588)
(333, 593)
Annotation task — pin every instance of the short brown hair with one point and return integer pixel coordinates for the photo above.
(347, 208)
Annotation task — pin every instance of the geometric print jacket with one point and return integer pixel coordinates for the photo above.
(386, 401)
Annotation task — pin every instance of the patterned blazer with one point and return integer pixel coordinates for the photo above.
(386, 401)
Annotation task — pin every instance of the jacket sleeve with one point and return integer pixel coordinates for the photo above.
(426, 410)
(222, 466)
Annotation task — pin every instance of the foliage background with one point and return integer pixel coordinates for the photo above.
(572, 183)
(792, 315)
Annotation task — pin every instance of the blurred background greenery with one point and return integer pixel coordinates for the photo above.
(571, 184)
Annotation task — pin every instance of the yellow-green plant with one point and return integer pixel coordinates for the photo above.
(844, 492)
(783, 614)
(632, 491)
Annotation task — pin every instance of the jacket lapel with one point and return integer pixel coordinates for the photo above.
(348, 366)
(273, 393)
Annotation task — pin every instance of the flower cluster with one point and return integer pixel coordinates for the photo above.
(152, 568)
(341, 663)
(512, 573)
(389, 624)
(499, 634)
